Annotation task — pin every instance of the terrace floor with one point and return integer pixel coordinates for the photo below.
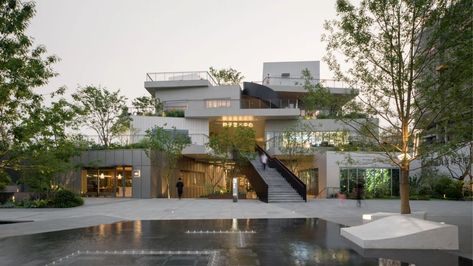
(98, 211)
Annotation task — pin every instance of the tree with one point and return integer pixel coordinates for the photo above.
(170, 143)
(103, 111)
(228, 76)
(22, 69)
(449, 80)
(293, 145)
(387, 46)
(146, 105)
(49, 147)
(318, 98)
(232, 144)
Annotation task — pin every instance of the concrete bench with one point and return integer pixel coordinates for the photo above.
(369, 217)
(402, 232)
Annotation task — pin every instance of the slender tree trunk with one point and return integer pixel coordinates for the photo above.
(167, 187)
(404, 189)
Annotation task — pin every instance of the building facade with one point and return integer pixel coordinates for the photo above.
(273, 108)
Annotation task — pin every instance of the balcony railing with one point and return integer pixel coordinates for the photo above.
(269, 103)
(299, 81)
(179, 76)
(125, 140)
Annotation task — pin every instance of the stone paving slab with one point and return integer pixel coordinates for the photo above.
(108, 210)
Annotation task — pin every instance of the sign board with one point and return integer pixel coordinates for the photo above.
(235, 189)
(136, 173)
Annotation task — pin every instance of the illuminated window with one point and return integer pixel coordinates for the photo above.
(220, 103)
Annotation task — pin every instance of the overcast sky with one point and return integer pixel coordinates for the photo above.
(115, 43)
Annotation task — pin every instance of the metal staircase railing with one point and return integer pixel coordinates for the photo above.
(290, 177)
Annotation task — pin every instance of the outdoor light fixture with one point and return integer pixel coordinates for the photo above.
(102, 176)
(119, 176)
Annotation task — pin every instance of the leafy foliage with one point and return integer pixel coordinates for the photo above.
(66, 199)
(174, 113)
(32, 136)
(233, 144)
(319, 98)
(225, 76)
(147, 106)
(387, 45)
(170, 143)
(103, 111)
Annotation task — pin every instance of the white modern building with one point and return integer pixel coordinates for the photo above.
(272, 108)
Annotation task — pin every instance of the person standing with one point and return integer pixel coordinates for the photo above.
(359, 194)
(264, 160)
(180, 187)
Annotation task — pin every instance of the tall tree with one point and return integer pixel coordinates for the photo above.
(318, 98)
(232, 144)
(387, 46)
(146, 105)
(170, 144)
(226, 76)
(449, 80)
(103, 111)
(23, 68)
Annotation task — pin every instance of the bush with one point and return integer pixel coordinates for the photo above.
(66, 199)
(8, 204)
(449, 188)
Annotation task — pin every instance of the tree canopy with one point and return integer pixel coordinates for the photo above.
(387, 45)
(103, 111)
(226, 76)
(32, 135)
(170, 144)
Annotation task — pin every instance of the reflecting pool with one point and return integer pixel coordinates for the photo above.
(207, 242)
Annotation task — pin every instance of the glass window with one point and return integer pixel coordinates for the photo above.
(344, 181)
(217, 103)
(377, 182)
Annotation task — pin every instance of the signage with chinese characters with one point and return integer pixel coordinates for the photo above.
(136, 173)
(237, 124)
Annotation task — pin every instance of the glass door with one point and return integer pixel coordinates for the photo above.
(124, 182)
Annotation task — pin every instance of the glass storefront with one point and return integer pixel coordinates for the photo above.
(107, 182)
(376, 182)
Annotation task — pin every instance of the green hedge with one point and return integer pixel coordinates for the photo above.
(66, 199)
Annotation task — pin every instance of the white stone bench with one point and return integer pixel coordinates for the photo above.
(402, 232)
(369, 217)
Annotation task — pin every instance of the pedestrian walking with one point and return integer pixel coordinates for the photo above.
(359, 194)
(264, 160)
(180, 187)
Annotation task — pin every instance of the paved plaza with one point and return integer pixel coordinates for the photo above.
(106, 210)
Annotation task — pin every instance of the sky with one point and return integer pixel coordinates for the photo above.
(113, 43)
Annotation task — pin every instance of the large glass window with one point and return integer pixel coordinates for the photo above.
(310, 139)
(107, 182)
(376, 182)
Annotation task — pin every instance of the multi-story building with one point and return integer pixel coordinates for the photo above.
(272, 108)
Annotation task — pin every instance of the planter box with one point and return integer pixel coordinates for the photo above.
(226, 196)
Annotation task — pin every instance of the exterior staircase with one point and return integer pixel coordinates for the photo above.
(279, 190)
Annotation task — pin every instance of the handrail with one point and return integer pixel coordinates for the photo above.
(181, 75)
(290, 177)
(299, 81)
(257, 182)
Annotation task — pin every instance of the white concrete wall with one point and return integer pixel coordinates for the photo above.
(200, 93)
(314, 124)
(330, 162)
(275, 69)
